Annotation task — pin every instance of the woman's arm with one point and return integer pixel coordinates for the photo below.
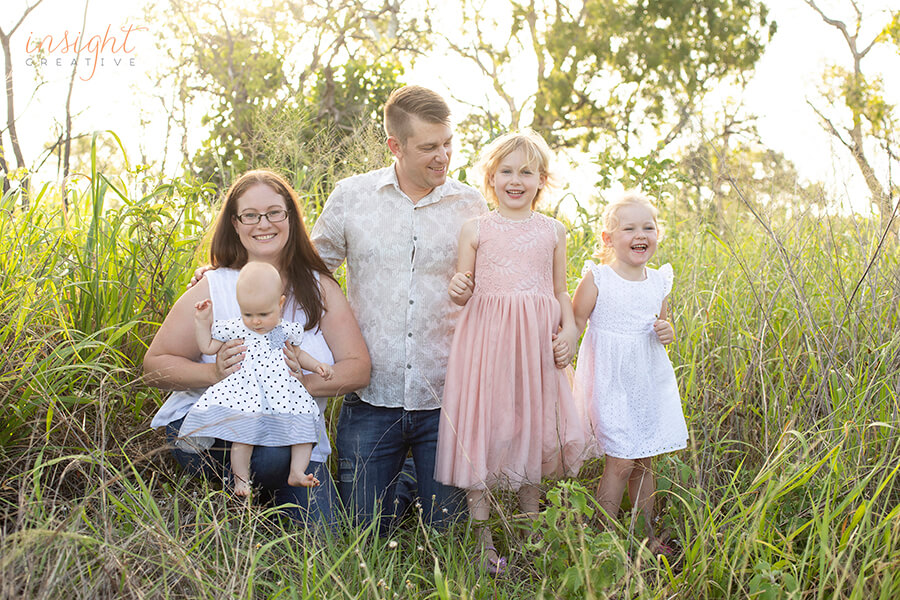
(352, 365)
(172, 360)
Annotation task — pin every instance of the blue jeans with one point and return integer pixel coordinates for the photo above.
(269, 469)
(372, 445)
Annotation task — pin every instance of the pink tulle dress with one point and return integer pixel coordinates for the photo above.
(508, 416)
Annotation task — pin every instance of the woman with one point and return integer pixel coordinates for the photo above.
(260, 220)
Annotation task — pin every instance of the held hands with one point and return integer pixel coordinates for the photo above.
(461, 287)
(664, 331)
(564, 343)
(292, 356)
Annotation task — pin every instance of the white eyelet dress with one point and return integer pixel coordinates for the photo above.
(624, 376)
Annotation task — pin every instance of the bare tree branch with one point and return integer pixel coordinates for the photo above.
(10, 99)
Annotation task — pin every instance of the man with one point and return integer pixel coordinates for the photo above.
(398, 229)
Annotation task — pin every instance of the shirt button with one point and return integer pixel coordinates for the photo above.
(415, 237)
(409, 366)
(410, 301)
(409, 334)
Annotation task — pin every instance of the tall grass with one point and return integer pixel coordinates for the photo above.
(787, 356)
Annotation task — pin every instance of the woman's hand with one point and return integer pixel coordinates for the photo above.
(352, 365)
(229, 357)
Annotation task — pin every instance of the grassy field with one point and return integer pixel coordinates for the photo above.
(787, 356)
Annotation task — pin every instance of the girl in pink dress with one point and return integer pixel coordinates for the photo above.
(508, 417)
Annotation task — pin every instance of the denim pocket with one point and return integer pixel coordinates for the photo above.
(351, 399)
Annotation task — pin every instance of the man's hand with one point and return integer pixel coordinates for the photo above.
(198, 275)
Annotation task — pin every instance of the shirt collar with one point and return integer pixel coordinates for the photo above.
(388, 177)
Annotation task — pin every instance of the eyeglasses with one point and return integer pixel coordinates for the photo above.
(252, 218)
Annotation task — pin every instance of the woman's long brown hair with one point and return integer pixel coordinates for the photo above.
(299, 259)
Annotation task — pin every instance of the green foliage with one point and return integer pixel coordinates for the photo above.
(659, 177)
(83, 287)
(336, 63)
(722, 180)
(615, 66)
(857, 114)
(788, 360)
(577, 560)
(892, 31)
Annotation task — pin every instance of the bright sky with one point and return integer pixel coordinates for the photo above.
(109, 98)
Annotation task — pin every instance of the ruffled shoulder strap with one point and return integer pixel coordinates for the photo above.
(592, 267)
(667, 274)
(588, 266)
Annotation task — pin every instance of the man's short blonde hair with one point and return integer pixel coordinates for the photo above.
(413, 100)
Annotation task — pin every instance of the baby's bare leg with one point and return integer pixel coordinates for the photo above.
(240, 467)
(299, 462)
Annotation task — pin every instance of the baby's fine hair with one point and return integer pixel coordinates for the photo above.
(537, 153)
(257, 278)
(610, 219)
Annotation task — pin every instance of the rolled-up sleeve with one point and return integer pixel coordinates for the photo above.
(328, 232)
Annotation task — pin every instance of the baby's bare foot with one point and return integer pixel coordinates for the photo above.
(302, 480)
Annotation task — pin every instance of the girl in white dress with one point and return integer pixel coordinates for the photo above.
(261, 403)
(624, 375)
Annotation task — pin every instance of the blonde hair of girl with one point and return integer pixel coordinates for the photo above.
(537, 153)
(610, 220)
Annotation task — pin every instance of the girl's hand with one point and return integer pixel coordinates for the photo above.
(229, 357)
(461, 287)
(564, 343)
(292, 358)
(664, 331)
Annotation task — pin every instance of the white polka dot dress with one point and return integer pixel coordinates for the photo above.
(260, 403)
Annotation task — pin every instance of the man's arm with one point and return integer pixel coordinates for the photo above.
(328, 233)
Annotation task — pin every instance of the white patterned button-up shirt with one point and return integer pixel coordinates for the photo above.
(400, 259)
